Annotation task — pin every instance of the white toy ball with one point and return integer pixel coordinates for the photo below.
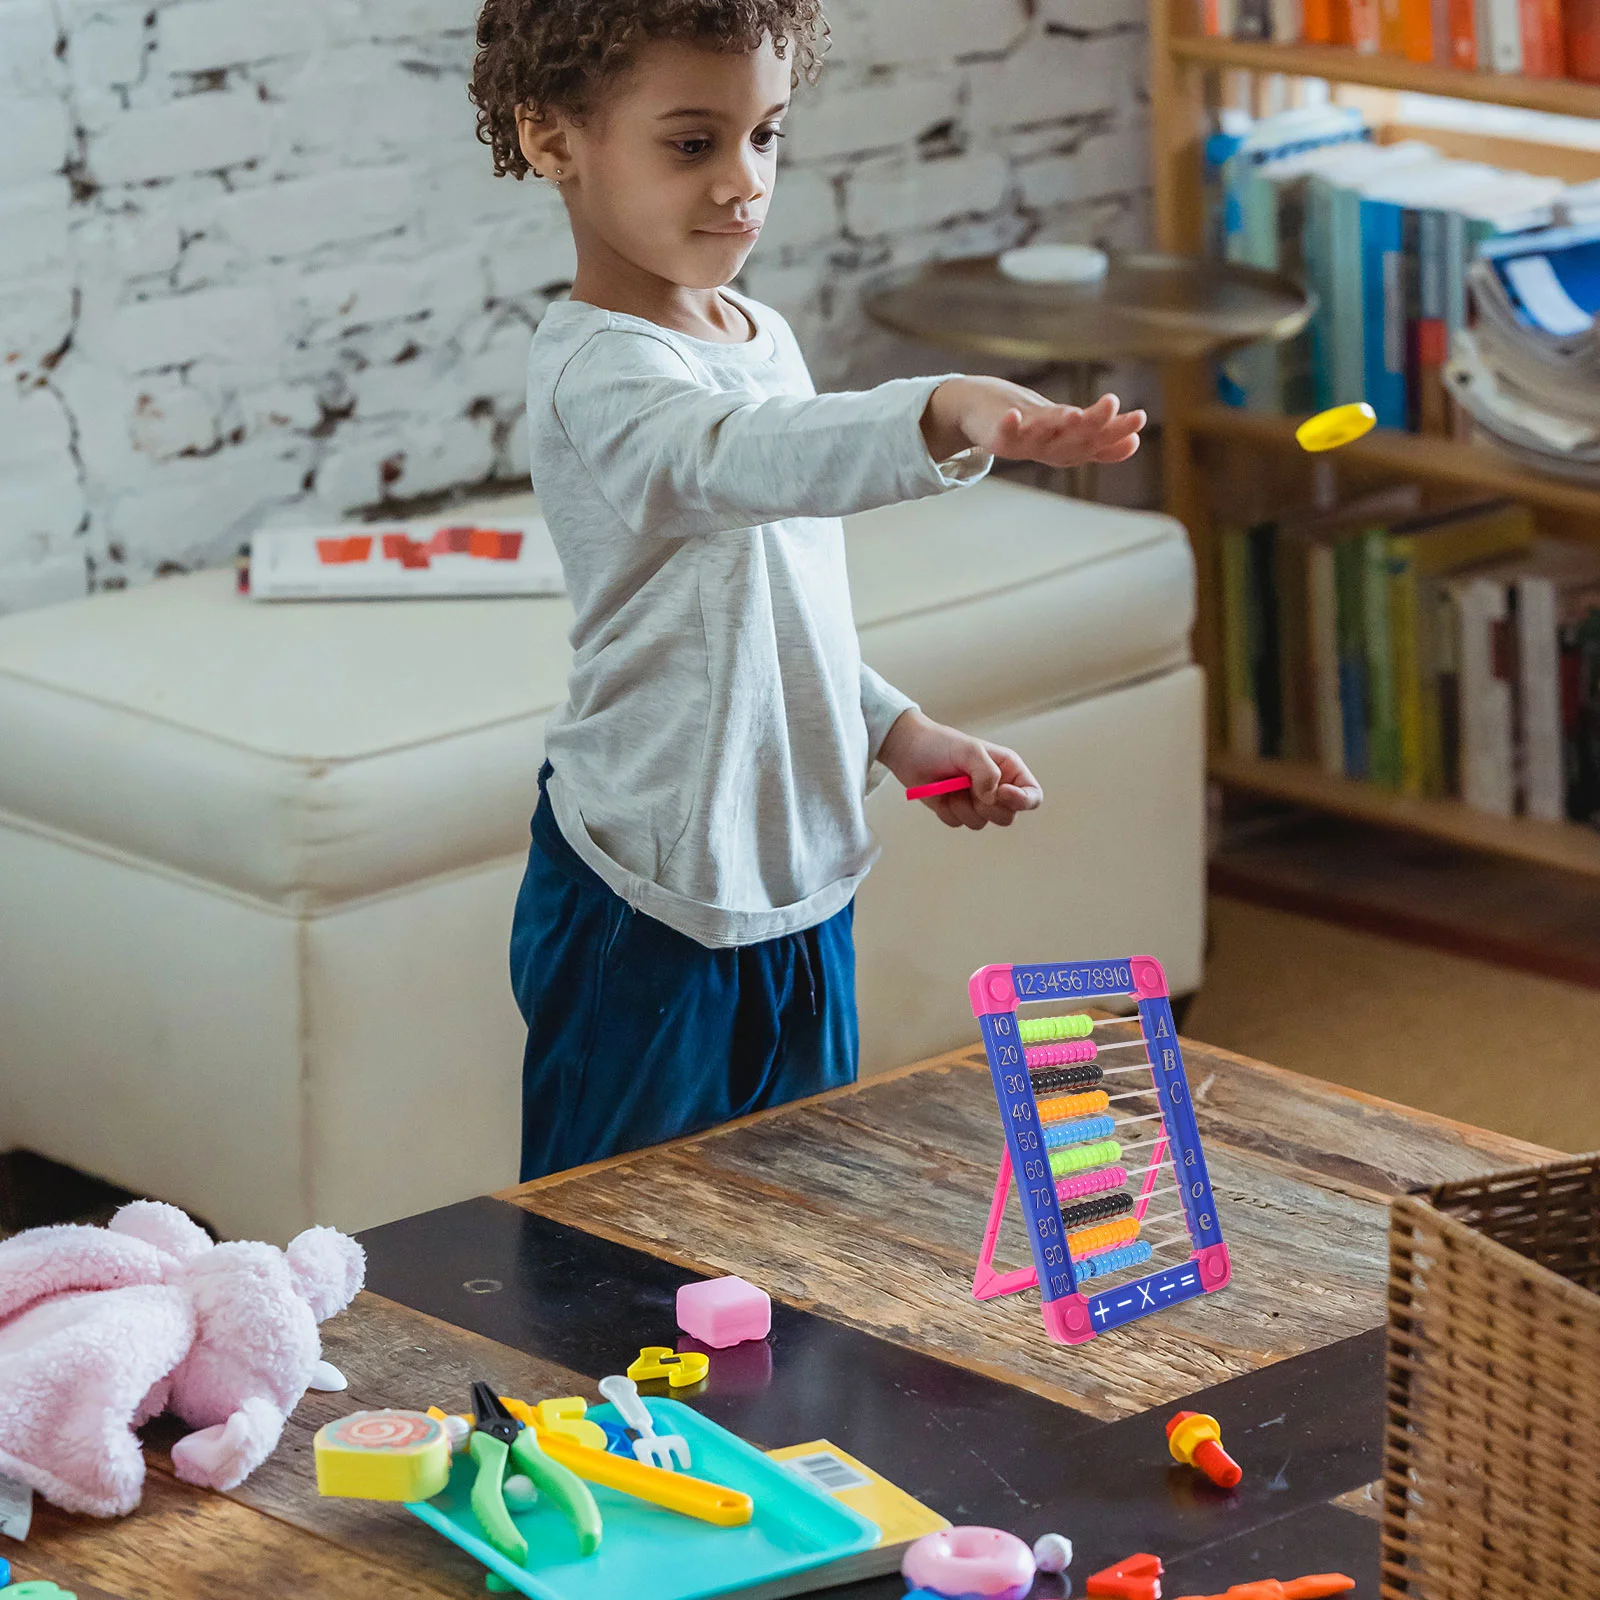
(519, 1492)
(1052, 1553)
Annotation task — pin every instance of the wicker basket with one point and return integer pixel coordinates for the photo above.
(1492, 1446)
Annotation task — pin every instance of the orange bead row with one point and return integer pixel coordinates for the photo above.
(1057, 1108)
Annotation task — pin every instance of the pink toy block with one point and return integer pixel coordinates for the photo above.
(724, 1311)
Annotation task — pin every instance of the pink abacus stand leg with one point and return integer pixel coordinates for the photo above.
(986, 1282)
(1215, 1267)
(1067, 1320)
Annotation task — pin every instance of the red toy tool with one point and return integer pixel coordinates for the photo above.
(926, 791)
(1196, 1440)
(1132, 1578)
(1312, 1588)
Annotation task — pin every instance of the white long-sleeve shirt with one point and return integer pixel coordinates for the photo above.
(711, 761)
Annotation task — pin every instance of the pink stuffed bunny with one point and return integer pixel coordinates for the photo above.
(103, 1328)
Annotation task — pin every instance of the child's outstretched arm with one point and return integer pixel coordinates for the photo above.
(680, 459)
(1009, 420)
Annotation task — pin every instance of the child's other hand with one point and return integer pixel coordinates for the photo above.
(1009, 420)
(920, 750)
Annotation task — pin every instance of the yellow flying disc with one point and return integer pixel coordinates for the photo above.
(1330, 429)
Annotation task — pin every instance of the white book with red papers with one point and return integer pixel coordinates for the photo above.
(405, 560)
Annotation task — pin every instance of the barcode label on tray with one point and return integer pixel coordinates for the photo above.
(827, 1471)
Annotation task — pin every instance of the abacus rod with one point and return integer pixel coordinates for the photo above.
(1167, 1244)
(1132, 1094)
(1138, 1066)
(1166, 1216)
(1124, 1044)
(1179, 1217)
(1149, 1116)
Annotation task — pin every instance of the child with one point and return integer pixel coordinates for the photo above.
(681, 947)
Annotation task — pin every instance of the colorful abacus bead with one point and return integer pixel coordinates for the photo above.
(1098, 1210)
(1079, 1131)
(1059, 1107)
(1038, 1030)
(1100, 1266)
(1082, 1157)
(1048, 1079)
(1061, 1055)
(1091, 1183)
(1092, 1241)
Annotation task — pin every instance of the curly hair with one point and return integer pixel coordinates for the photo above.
(557, 54)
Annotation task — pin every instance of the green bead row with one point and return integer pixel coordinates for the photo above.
(1039, 1030)
(1081, 1157)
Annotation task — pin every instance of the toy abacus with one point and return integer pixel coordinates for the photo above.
(1066, 1145)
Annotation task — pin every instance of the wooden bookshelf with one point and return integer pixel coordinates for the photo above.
(1563, 96)
(1187, 71)
(1567, 845)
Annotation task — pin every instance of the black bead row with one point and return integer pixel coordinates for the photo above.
(1047, 1080)
(1096, 1210)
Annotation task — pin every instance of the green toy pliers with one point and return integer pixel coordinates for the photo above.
(497, 1437)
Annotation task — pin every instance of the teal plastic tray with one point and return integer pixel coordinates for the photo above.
(650, 1554)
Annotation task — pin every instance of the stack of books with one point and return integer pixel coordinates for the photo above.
(1385, 237)
(1536, 38)
(1528, 369)
(1437, 652)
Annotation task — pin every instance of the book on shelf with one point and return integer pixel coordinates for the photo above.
(1581, 33)
(1440, 652)
(1263, 184)
(1385, 236)
(1528, 370)
(1531, 38)
(1487, 752)
(1539, 605)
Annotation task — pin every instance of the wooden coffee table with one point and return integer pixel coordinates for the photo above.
(861, 1211)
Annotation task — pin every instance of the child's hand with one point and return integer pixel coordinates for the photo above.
(919, 750)
(1008, 420)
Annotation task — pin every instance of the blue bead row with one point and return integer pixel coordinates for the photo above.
(1108, 1261)
(1081, 1130)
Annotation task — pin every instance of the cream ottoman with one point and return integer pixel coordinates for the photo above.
(257, 863)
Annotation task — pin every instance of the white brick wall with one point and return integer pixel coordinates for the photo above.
(254, 265)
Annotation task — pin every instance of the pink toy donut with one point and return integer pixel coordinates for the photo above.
(959, 1561)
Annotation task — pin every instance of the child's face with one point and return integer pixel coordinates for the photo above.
(674, 169)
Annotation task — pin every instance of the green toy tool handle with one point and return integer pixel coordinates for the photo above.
(489, 1500)
(564, 1487)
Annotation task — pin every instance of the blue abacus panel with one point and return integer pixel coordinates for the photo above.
(1081, 1155)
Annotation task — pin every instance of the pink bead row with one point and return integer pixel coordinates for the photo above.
(1091, 1182)
(1060, 1055)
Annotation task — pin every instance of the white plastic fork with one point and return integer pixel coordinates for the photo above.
(668, 1451)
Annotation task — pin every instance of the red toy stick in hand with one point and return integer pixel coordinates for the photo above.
(926, 791)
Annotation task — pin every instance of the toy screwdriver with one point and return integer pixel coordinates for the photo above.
(497, 1437)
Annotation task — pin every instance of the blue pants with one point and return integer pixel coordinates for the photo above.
(637, 1034)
